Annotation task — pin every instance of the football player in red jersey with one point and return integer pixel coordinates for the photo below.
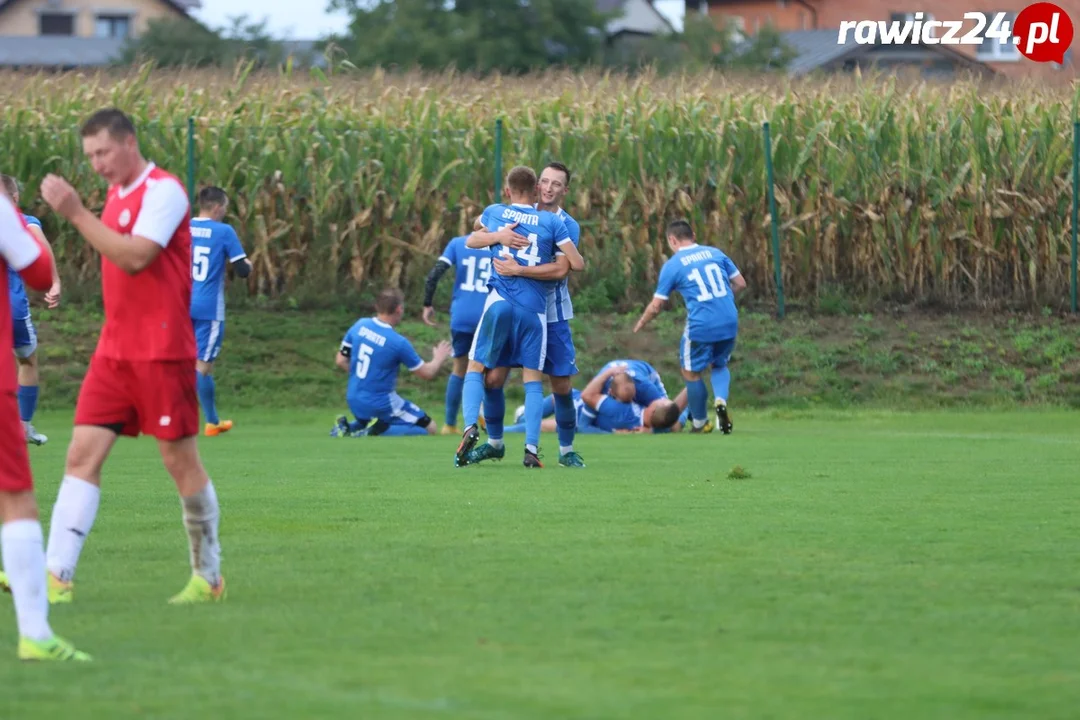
(21, 540)
(141, 378)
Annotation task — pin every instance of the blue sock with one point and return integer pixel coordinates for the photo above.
(721, 383)
(403, 430)
(494, 412)
(206, 397)
(565, 422)
(697, 394)
(519, 428)
(534, 414)
(453, 398)
(685, 417)
(28, 395)
(472, 394)
(549, 406)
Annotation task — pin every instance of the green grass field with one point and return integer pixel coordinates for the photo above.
(873, 565)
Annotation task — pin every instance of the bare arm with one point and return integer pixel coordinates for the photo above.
(650, 313)
(548, 271)
(341, 361)
(52, 297)
(483, 238)
(577, 262)
(430, 370)
(594, 391)
(738, 284)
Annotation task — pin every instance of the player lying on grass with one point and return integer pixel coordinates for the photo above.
(25, 334)
(371, 352)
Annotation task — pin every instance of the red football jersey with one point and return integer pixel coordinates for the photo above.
(147, 315)
(18, 250)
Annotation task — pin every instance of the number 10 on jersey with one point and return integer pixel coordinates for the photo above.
(717, 287)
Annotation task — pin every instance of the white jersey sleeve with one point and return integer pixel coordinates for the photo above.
(164, 206)
(18, 247)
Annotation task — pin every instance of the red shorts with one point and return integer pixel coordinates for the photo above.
(156, 398)
(14, 460)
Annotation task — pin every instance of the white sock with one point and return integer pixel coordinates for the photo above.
(201, 514)
(72, 518)
(699, 423)
(566, 449)
(497, 444)
(23, 546)
(721, 401)
(531, 448)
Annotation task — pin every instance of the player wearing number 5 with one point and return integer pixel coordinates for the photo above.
(214, 245)
(472, 268)
(708, 280)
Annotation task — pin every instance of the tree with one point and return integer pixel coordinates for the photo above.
(184, 42)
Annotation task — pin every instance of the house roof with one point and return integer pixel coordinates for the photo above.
(659, 23)
(58, 51)
(183, 6)
(818, 48)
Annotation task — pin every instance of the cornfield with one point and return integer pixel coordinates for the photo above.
(953, 195)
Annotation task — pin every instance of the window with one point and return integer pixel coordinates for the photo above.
(56, 24)
(112, 26)
(998, 48)
(925, 17)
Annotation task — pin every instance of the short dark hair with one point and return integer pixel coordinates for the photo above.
(666, 415)
(521, 179)
(561, 168)
(212, 197)
(115, 121)
(680, 229)
(11, 185)
(389, 301)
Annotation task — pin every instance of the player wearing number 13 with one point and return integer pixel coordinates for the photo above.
(708, 280)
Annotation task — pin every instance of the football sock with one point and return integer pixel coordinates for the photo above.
(565, 422)
(534, 411)
(403, 431)
(72, 518)
(453, 398)
(472, 394)
(721, 383)
(201, 514)
(23, 547)
(494, 412)
(684, 417)
(519, 428)
(697, 394)
(28, 395)
(549, 406)
(207, 391)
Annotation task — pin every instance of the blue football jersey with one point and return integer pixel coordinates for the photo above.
(546, 231)
(20, 304)
(610, 414)
(559, 306)
(702, 275)
(645, 378)
(472, 269)
(375, 352)
(214, 246)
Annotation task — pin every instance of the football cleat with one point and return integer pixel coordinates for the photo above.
(703, 430)
(199, 590)
(53, 649)
(723, 419)
(486, 452)
(571, 460)
(341, 428)
(33, 437)
(213, 430)
(532, 460)
(468, 442)
(60, 592)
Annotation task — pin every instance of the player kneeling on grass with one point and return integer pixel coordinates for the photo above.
(371, 353)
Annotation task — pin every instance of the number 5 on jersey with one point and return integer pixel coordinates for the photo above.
(363, 360)
(200, 265)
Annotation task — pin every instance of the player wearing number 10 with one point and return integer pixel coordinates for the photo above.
(213, 246)
(708, 280)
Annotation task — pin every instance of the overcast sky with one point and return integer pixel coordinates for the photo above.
(307, 19)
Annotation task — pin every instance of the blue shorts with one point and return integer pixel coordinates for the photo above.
(391, 409)
(25, 338)
(461, 341)
(561, 358)
(697, 356)
(208, 337)
(509, 336)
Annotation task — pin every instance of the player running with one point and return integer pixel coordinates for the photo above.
(513, 326)
(214, 246)
(21, 538)
(141, 378)
(560, 361)
(472, 268)
(708, 280)
(371, 352)
(25, 334)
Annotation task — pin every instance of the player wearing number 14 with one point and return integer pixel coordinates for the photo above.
(708, 280)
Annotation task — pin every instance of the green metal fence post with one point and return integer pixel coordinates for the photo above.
(498, 160)
(191, 158)
(775, 229)
(1075, 204)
